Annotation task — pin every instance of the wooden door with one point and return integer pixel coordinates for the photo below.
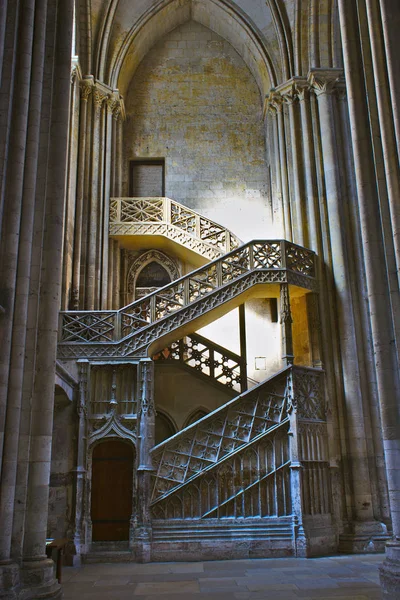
(112, 485)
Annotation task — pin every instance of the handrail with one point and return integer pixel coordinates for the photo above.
(208, 358)
(204, 443)
(144, 216)
(270, 258)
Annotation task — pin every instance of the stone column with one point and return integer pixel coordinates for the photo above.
(275, 110)
(387, 124)
(37, 572)
(13, 192)
(22, 284)
(110, 104)
(70, 196)
(286, 325)
(362, 526)
(86, 90)
(386, 361)
(276, 104)
(299, 226)
(296, 491)
(79, 532)
(95, 199)
(116, 276)
(391, 26)
(142, 540)
(310, 173)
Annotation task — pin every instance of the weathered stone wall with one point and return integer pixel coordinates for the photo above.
(179, 394)
(301, 337)
(63, 462)
(194, 101)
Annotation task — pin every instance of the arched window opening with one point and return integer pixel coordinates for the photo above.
(165, 428)
(153, 275)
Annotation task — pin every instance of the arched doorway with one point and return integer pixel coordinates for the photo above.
(112, 488)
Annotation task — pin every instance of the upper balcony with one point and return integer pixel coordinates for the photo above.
(140, 221)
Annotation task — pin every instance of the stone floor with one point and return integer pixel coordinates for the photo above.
(339, 577)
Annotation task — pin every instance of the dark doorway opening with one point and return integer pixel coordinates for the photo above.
(147, 178)
(112, 488)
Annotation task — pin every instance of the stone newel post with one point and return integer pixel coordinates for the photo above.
(142, 538)
(286, 324)
(300, 541)
(79, 533)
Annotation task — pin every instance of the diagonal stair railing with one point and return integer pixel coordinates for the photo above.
(132, 329)
(166, 217)
(236, 461)
(216, 436)
(209, 359)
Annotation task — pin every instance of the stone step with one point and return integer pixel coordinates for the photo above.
(108, 557)
(273, 529)
(102, 552)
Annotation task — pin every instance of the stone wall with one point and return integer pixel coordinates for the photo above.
(194, 102)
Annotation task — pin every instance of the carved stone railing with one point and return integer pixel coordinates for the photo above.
(207, 442)
(208, 358)
(238, 461)
(252, 482)
(131, 330)
(166, 217)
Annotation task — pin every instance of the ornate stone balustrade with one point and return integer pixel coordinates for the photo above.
(131, 330)
(166, 217)
(219, 435)
(236, 462)
(209, 359)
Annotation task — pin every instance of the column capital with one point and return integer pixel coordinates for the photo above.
(86, 90)
(325, 81)
(293, 89)
(98, 97)
(273, 102)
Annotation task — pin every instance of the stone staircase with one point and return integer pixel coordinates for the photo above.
(251, 478)
(149, 324)
(228, 477)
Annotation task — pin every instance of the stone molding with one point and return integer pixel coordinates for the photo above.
(318, 81)
(325, 81)
(101, 94)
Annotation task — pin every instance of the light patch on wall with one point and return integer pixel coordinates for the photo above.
(260, 363)
(194, 101)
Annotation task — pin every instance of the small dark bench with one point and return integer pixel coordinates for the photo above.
(59, 545)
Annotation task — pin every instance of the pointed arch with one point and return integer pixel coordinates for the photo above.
(223, 17)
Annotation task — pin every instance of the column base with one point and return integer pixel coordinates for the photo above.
(142, 544)
(390, 572)
(38, 581)
(367, 537)
(9, 580)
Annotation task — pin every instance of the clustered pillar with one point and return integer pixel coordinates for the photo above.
(319, 217)
(35, 92)
(92, 283)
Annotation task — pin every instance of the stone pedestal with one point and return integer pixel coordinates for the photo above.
(9, 580)
(38, 580)
(390, 572)
(364, 537)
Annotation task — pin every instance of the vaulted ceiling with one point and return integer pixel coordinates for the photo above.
(278, 39)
